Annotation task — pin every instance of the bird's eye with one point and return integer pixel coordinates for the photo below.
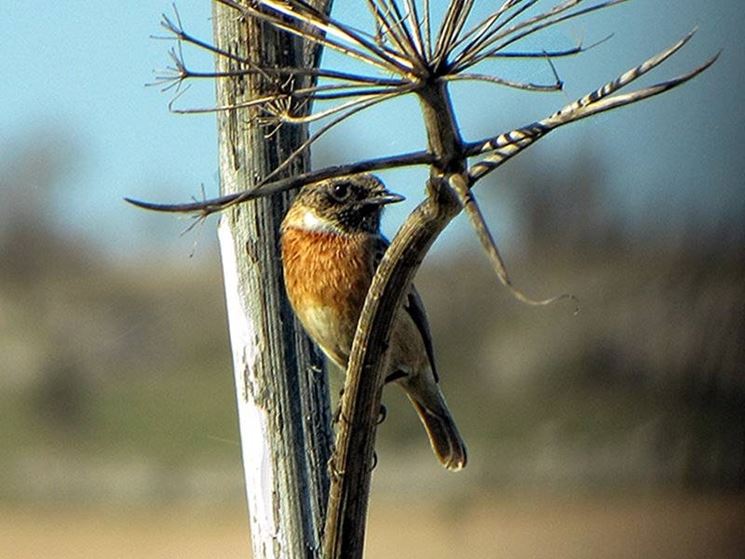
(340, 191)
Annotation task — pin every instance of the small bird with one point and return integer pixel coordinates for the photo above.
(331, 246)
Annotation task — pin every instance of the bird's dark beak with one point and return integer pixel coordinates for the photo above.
(382, 198)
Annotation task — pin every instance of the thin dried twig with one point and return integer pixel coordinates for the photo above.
(302, 20)
(221, 203)
(524, 86)
(452, 25)
(177, 30)
(513, 37)
(471, 57)
(489, 26)
(573, 51)
(461, 187)
(290, 101)
(427, 24)
(320, 132)
(368, 100)
(415, 24)
(181, 73)
(391, 25)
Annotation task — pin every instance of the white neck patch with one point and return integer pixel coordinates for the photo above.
(312, 222)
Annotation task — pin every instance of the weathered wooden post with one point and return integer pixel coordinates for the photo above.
(280, 384)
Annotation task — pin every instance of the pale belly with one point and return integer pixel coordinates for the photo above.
(333, 338)
(407, 348)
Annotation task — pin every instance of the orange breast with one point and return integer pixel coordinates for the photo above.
(329, 273)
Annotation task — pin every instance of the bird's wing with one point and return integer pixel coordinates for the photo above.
(414, 307)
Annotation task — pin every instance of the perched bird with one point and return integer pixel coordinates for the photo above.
(331, 246)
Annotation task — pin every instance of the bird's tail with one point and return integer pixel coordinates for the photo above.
(443, 434)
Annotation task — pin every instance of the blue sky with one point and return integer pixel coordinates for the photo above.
(76, 71)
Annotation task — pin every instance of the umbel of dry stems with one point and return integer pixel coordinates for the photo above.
(404, 57)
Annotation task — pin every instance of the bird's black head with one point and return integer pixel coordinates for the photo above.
(350, 204)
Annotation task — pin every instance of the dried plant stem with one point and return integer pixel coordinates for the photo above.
(346, 518)
(353, 458)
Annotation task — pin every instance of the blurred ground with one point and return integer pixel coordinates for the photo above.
(525, 527)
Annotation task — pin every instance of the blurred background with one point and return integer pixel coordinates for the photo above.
(619, 432)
